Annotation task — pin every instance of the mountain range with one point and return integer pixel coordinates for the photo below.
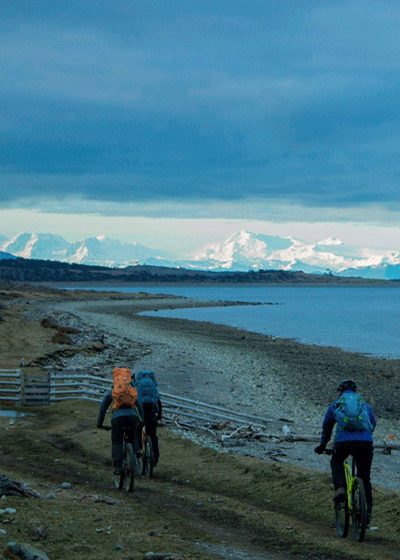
(242, 251)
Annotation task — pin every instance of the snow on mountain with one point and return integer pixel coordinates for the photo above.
(242, 251)
(36, 246)
(99, 250)
(103, 251)
(250, 251)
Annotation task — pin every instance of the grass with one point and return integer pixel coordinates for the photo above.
(198, 499)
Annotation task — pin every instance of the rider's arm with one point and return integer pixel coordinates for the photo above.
(327, 425)
(105, 403)
(371, 415)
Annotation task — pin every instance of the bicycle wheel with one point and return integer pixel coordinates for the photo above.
(359, 516)
(148, 459)
(129, 468)
(342, 518)
(138, 465)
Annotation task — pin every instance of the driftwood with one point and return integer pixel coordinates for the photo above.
(160, 556)
(187, 426)
(253, 432)
(10, 487)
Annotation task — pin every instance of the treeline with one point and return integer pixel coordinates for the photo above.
(30, 270)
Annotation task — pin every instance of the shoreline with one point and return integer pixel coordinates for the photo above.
(278, 378)
(352, 283)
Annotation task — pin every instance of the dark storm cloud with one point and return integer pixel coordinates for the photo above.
(147, 100)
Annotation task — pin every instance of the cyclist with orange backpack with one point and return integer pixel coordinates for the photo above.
(125, 414)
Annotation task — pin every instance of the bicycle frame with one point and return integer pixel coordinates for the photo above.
(349, 472)
(354, 503)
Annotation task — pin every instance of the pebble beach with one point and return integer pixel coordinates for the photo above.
(288, 382)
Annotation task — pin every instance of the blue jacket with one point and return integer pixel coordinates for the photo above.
(105, 403)
(342, 435)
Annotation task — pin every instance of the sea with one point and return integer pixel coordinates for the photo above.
(363, 319)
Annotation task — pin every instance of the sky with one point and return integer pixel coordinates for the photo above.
(177, 123)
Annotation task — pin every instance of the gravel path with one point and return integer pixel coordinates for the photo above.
(276, 378)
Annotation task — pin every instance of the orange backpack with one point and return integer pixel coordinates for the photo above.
(124, 395)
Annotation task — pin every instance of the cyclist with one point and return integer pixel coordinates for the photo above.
(149, 400)
(125, 414)
(353, 437)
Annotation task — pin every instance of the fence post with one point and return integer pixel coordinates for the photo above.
(22, 384)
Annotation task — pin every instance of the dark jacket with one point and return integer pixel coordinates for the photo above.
(343, 435)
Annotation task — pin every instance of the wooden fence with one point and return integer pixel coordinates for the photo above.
(25, 389)
(10, 385)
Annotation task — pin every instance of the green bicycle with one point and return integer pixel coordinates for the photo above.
(354, 505)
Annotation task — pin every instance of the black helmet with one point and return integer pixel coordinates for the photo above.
(347, 385)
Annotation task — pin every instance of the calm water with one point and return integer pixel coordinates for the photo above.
(361, 319)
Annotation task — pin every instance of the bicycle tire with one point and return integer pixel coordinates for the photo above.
(138, 465)
(148, 459)
(359, 516)
(129, 468)
(342, 518)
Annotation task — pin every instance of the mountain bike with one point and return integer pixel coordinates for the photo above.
(126, 479)
(354, 505)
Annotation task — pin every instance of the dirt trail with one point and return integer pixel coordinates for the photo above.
(200, 505)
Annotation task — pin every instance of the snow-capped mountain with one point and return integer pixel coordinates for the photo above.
(100, 250)
(242, 251)
(103, 251)
(250, 251)
(36, 246)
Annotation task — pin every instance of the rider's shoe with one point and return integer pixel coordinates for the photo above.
(338, 497)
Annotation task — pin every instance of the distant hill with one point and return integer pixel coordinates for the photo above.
(31, 270)
(4, 255)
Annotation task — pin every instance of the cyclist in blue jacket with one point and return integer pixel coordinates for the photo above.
(350, 439)
(149, 400)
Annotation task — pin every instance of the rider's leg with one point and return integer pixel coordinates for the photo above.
(131, 429)
(117, 434)
(340, 453)
(363, 455)
(151, 429)
(150, 420)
